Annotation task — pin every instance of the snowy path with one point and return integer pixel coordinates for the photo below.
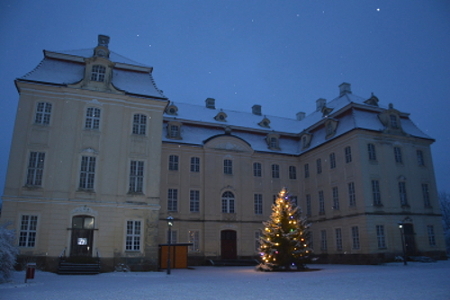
(430, 281)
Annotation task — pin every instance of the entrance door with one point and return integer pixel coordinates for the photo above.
(410, 242)
(82, 236)
(228, 244)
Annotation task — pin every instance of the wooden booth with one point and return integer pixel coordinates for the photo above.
(178, 255)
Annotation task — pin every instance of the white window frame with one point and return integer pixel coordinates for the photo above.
(275, 171)
(228, 203)
(172, 200)
(173, 162)
(258, 204)
(133, 235)
(228, 166)
(43, 113)
(87, 172)
(35, 170)
(139, 124)
(28, 231)
(355, 238)
(338, 235)
(92, 118)
(194, 201)
(195, 164)
(381, 238)
(257, 169)
(98, 73)
(136, 178)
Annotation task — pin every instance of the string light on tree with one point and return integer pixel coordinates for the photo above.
(283, 245)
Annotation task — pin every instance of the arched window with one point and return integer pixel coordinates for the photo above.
(228, 202)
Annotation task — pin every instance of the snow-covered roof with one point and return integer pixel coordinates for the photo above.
(67, 67)
(350, 111)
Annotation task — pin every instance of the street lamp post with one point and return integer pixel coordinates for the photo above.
(169, 224)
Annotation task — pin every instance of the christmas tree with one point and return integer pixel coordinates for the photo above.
(283, 243)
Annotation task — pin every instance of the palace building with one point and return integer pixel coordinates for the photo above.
(100, 157)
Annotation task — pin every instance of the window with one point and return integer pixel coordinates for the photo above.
(194, 239)
(420, 158)
(257, 240)
(35, 168)
(275, 171)
(371, 151)
(306, 170)
(355, 237)
(393, 121)
(98, 73)
(257, 170)
(172, 200)
(136, 176)
(319, 166)
(27, 235)
(228, 166)
(43, 113)
(381, 240)
(273, 143)
(431, 236)
(321, 203)
(351, 194)
(323, 240)
(139, 124)
(194, 201)
(173, 162)
(174, 131)
(376, 195)
(133, 239)
(426, 195)
(195, 164)
(87, 172)
(92, 120)
(294, 200)
(292, 172)
(335, 192)
(258, 204)
(402, 193)
(228, 202)
(348, 154)
(172, 237)
(332, 160)
(308, 205)
(398, 155)
(338, 233)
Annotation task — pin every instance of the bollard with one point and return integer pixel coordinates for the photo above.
(29, 274)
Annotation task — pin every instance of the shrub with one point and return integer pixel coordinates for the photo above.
(8, 253)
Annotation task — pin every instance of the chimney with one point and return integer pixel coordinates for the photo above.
(210, 103)
(344, 88)
(320, 103)
(103, 40)
(256, 109)
(300, 116)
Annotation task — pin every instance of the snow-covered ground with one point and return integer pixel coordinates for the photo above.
(430, 281)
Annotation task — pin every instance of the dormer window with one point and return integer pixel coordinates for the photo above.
(174, 130)
(330, 127)
(98, 73)
(221, 116)
(306, 140)
(264, 123)
(272, 141)
(393, 120)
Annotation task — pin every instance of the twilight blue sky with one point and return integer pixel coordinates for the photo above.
(280, 54)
